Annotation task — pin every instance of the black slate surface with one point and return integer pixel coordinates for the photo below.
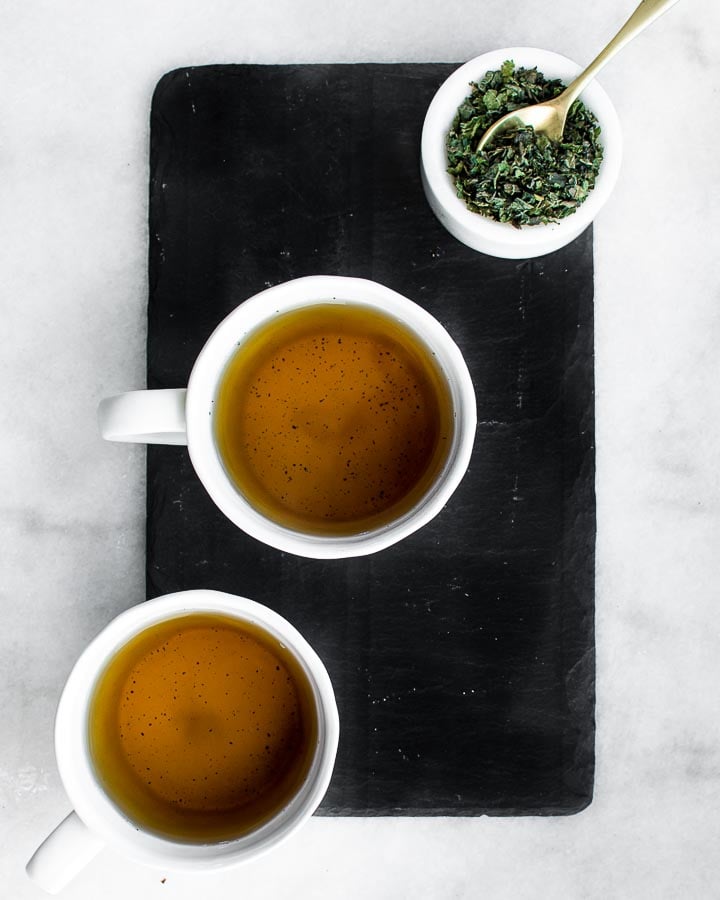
(463, 658)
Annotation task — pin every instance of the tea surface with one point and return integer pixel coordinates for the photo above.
(202, 727)
(333, 419)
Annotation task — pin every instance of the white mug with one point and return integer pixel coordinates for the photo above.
(185, 416)
(96, 821)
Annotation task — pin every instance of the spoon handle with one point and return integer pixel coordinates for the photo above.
(644, 15)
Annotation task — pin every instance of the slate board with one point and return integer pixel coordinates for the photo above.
(463, 658)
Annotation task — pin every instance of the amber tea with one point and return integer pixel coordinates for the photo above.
(333, 419)
(202, 727)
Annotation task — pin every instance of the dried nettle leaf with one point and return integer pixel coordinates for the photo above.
(521, 178)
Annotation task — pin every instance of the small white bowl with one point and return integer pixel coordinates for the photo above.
(478, 231)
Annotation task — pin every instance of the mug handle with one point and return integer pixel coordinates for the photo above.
(145, 417)
(63, 853)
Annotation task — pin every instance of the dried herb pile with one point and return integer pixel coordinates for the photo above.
(521, 178)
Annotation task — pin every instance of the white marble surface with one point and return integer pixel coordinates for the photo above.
(75, 84)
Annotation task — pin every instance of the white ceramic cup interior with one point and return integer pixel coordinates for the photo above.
(96, 821)
(186, 416)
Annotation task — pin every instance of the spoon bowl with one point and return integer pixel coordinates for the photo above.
(546, 118)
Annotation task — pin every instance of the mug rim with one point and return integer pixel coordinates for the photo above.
(301, 292)
(91, 801)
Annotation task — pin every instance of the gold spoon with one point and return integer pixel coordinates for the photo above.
(549, 117)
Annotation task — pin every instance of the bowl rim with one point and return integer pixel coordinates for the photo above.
(439, 117)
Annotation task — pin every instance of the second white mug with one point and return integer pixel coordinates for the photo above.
(99, 819)
(188, 416)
